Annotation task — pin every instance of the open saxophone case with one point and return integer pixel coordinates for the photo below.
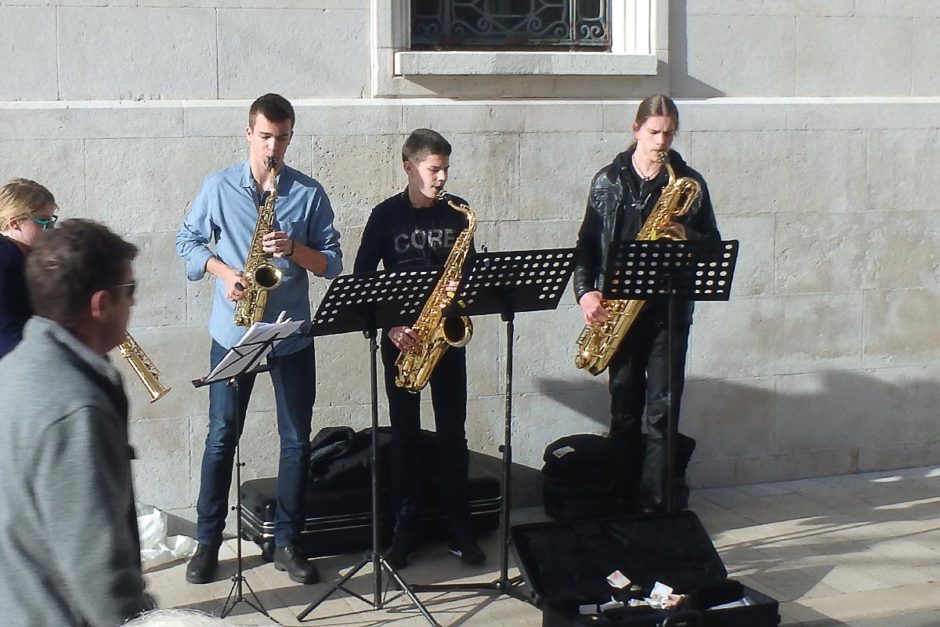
(567, 565)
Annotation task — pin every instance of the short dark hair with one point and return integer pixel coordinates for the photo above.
(423, 142)
(274, 107)
(69, 264)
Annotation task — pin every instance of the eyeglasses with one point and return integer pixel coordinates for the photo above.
(130, 287)
(46, 224)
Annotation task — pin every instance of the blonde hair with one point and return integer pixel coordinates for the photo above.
(20, 198)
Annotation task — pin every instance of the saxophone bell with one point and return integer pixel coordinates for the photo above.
(457, 331)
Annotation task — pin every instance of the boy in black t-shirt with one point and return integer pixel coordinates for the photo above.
(413, 229)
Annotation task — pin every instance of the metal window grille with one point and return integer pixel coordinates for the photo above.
(510, 24)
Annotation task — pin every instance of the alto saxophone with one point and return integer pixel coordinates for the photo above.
(597, 344)
(142, 367)
(261, 276)
(435, 332)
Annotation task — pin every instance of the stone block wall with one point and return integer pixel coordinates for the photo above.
(819, 156)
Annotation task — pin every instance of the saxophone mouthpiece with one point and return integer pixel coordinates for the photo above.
(272, 163)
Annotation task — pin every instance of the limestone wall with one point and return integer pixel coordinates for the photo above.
(818, 137)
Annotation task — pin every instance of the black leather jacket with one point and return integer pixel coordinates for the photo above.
(616, 210)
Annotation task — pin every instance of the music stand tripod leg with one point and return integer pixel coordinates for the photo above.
(375, 558)
(504, 584)
(238, 579)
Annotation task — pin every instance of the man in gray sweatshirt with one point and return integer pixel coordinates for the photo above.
(68, 530)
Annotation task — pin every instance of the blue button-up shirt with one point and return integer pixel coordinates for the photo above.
(226, 211)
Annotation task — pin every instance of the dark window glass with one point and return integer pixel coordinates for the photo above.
(510, 24)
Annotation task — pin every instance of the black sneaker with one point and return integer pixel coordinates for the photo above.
(201, 568)
(467, 550)
(403, 547)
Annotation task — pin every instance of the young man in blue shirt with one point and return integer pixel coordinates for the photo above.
(302, 240)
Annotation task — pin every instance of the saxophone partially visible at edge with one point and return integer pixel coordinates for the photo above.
(597, 344)
(142, 367)
(260, 275)
(435, 332)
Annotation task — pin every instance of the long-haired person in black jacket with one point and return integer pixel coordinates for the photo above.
(621, 197)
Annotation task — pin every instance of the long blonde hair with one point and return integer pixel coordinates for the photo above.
(20, 198)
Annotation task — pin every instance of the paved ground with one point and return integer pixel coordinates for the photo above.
(860, 550)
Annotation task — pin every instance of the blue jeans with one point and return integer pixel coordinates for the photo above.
(294, 380)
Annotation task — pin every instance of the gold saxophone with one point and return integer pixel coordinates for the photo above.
(597, 344)
(436, 333)
(142, 367)
(261, 275)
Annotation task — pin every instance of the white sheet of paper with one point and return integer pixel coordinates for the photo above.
(253, 351)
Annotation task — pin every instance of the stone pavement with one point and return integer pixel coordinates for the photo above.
(856, 550)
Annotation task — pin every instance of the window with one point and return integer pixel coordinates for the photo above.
(412, 56)
(510, 24)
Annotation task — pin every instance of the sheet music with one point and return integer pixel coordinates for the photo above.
(254, 346)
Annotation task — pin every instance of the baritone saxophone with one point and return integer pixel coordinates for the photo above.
(260, 275)
(143, 367)
(435, 332)
(598, 344)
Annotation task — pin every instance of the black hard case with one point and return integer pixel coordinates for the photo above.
(339, 520)
(566, 564)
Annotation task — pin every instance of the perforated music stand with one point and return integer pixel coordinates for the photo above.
(670, 270)
(365, 302)
(244, 359)
(506, 283)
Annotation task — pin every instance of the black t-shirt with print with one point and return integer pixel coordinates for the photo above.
(398, 234)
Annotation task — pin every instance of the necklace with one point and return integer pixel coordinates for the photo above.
(648, 175)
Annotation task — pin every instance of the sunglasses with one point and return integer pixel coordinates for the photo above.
(46, 224)
(130, 287)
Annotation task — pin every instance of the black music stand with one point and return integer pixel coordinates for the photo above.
(671, 270)
(506, 283)
(365, 302)
(244, 359)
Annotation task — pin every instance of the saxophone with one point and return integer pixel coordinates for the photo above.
(436, 333)
(597, 344)
(261, 275)
(142, 367)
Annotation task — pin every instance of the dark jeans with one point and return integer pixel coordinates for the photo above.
(294, 380)
(639, 379)
(449, 398)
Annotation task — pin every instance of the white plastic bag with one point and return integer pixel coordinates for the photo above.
(155, 547)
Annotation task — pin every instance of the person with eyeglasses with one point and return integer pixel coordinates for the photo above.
(68, 527)
(26, 210)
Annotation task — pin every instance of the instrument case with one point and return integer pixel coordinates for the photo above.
(579, 471)
(339, 519)
(566, 565)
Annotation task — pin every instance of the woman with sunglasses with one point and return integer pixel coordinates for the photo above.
(26, 210)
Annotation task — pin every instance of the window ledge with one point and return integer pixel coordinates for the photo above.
(523, 63)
